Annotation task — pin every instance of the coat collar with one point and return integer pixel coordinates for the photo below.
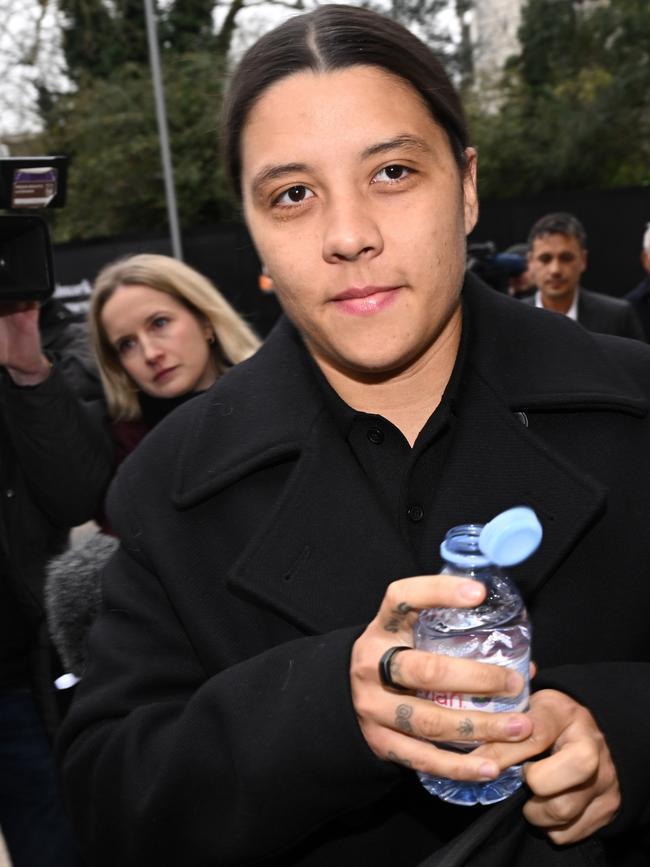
(264, 409)
(258, 412)
(541, 360)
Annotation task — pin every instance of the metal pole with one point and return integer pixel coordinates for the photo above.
(161, 114)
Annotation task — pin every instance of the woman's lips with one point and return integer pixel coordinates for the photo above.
(366, 300)
(163, 374)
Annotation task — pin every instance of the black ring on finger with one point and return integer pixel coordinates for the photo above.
(385, 675)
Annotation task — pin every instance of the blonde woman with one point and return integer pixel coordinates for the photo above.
(162, 333)
(159, 328)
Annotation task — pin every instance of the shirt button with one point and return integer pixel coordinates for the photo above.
(415, 512)
(375, 436)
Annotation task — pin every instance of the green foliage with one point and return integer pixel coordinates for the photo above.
(96, 41)
(108, 127)
(574, 108)
(187, 26)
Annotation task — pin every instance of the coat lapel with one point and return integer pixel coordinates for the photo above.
(328, 551)
(324, 554)
(496, 462)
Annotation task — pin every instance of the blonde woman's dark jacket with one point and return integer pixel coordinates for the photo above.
(214, 724)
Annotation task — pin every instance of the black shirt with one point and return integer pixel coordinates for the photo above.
(405, 480)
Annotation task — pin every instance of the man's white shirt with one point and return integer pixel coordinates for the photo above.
(572, 312)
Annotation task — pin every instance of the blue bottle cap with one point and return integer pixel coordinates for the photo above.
(511, 537)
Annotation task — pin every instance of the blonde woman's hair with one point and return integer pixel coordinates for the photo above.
(234, 341)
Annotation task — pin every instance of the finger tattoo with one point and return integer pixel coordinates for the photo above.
(396, 668)
(394, 623)
(466, 728)
(403, 714)
(393, 757)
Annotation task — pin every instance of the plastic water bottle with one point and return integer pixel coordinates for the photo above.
(497, 631)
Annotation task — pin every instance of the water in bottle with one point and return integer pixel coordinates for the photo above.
(497, 631)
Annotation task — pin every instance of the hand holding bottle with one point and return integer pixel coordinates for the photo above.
(575, 789)
(394, 724)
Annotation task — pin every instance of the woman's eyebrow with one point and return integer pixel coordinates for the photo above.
(399, 142)
(273, 173)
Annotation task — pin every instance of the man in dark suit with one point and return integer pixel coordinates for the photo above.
(639, 297)
(557, 259)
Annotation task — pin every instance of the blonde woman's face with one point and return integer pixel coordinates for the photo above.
(163, 347)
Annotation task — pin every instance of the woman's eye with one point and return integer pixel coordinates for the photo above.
(160, 321)
(294, 195)
(392, 173)
(125, 346)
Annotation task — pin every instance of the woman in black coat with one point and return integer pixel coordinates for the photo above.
(233, 711)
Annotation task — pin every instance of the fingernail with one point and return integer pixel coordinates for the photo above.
(514, 727)
(488, 770)
(471, 590)
(514, 682)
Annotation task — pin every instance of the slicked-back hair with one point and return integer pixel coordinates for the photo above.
(560, 223)
(335, 37)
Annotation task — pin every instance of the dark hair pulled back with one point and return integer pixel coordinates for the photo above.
(336, 37)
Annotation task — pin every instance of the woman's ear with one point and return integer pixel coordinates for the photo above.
(470, 192)
(208, 330)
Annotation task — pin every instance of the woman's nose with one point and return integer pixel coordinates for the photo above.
(351, 232)
(151, 351)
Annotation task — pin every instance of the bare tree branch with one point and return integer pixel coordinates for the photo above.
(29, 58)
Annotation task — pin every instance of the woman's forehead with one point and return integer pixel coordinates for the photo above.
(309, 83)
(346, 109)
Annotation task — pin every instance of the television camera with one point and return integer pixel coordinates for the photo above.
(492, 267)
(28, 184)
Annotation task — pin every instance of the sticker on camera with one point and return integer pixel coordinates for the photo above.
(33, 187)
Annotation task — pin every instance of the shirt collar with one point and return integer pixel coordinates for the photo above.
(572, 312)
(344, 415)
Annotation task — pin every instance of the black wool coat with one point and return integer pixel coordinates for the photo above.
(56, 463)
(214, 725)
